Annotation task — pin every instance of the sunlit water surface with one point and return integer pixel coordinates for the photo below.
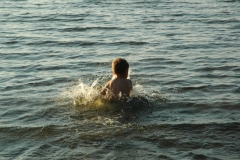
(184, 56)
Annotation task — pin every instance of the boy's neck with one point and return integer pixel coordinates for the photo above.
(121, 76)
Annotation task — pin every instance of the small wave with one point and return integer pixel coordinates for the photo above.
(52, 67)
(81, 43)
(190, 88)
(157, 21)
(62, 43)
(178, 15)
(58, 19)
(198, 156)
(154, 59)
(11, 42)
(236, 69)
(190, 46)
(222, 21)
(214, 76)
(237, 90)
(14, 87)
(210, 106)
(222, 127)
(27, 17)
(131, 43)
(38, 83)
(221, 68)
(230, 1)
(81, 29)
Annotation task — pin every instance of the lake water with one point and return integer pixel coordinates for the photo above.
(184, 60)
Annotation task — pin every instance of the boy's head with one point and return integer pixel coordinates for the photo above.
(120, 66)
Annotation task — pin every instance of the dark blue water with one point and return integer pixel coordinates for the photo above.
(184, 59)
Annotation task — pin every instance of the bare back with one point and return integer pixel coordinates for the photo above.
(122, 85)
(119, 85)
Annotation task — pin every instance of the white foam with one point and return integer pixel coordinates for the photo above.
(88, 95)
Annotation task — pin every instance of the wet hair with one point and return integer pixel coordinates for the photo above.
(119, 66)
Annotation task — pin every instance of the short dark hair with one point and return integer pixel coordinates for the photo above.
(120, 66)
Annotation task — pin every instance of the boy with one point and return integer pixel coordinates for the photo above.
(119, 85)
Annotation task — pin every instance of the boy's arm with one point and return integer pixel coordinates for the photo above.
(131, 88)
(105, 88)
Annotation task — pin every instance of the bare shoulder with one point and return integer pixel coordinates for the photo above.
(118, 81)
(129, 82)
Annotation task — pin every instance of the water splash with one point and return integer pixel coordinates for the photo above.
(88, 95)
(84, 94)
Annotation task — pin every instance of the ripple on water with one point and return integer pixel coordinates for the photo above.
(184, 59)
